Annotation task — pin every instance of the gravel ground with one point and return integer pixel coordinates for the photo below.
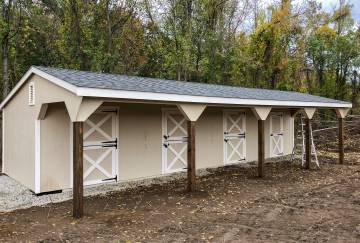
(14, 196)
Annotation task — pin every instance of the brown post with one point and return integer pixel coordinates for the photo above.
(191, 170)
(261, 148)
(341, 140)
(307, 143)
(78, 206)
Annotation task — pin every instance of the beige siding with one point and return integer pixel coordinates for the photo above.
(19, 145)
(208, 138)
(55, 148)
(288, 133)
(139, 141)
(140, 134)
(252, 137)
(47, 92)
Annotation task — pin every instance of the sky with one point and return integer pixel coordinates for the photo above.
(328, 5)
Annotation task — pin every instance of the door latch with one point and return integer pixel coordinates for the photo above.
(109, 144)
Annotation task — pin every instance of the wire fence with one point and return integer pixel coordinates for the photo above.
(325, 129)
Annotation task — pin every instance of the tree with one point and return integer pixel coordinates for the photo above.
(288, 45)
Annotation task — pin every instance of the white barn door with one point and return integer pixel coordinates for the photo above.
(100, 147)
(174, 141)
(276, 134)
(234, 136)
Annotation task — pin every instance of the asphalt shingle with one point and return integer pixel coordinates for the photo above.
(142, 84)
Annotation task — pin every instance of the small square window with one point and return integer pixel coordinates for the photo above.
(31, 93)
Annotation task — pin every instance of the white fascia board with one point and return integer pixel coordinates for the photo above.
(34, 70)
(70, 87)
(17, 87)
(136, 95)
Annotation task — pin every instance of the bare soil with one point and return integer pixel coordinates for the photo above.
(230, 205)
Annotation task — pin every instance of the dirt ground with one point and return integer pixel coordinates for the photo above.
(230, 205)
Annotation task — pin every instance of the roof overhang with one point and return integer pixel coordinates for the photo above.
(153, 96)
(163, 97)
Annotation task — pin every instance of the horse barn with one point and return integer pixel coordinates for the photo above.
(68, 129)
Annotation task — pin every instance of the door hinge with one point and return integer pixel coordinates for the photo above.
(110, 179)
(110, 111)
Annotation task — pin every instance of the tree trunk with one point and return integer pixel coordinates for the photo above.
(77, 34)
(308, 80)
(5, 60)
(108, 41)
(354, 89)
(5, 48)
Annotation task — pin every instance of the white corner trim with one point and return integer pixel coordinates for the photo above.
(137, 95)
(293, 131)
(71, 154)
(3, 142)
(37, 155)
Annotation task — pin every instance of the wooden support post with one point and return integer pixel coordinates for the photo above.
(261, 148)
(78, 206)
(307, 143)
(191, 170)
(341, 140)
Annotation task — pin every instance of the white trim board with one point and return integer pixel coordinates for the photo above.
(153, 96)
(3, 142)
(37, 156)
(71, 153)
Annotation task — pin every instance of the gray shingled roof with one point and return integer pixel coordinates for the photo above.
(133, 83)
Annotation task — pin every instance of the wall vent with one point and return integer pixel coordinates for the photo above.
(31, 93)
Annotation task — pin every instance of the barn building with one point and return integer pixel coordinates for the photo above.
(68, 129)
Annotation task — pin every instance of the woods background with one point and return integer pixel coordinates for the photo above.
(287, 45)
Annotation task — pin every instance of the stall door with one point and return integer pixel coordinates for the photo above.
(276, 135)
(234, 137)
(174, 141)
(100, 147)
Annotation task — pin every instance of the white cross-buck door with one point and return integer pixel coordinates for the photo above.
(100, 147)
(234, 137)
(174, 141)
(276, 135)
